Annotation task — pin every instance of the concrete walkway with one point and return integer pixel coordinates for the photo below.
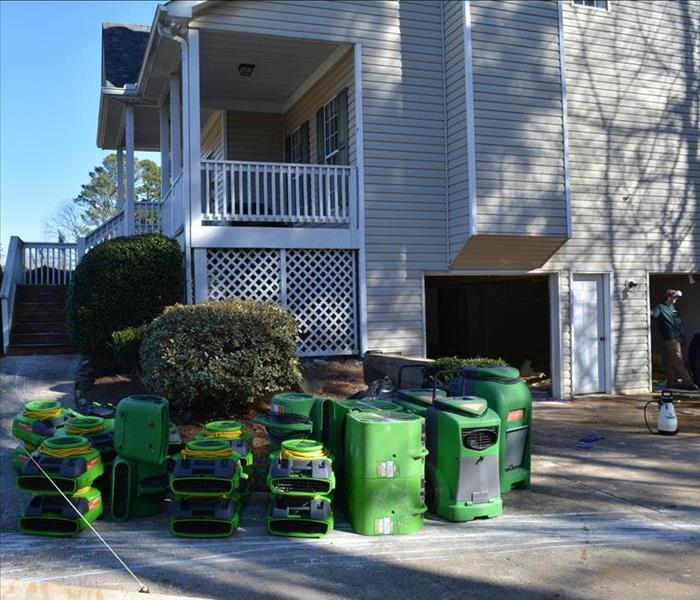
(621, 520)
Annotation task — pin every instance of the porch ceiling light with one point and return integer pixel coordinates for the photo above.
(245, 70)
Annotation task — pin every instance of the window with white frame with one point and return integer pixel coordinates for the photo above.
(601, 4)
(330, 132)
(296, 147)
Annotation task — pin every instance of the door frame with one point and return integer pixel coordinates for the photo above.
(554, 280)
(608, 363)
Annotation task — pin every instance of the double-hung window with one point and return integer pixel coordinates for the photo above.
(602, 4)
(330, 132)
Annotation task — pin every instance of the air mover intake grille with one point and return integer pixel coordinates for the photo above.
(56, 526)
(204, 528)
(479, 439)
(195, 485)
(38, 484)
(299, 485)
(298, 526)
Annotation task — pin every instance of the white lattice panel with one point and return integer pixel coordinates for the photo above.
(317, 286)
(243, 274)
(321, 295)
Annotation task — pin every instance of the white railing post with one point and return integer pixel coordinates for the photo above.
(12, 278)
(164, 151)
(129, 209)
(175, 129)
(191, 146)
(120, 179)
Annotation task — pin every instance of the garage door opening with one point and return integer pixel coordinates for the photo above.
(689, 308)
(492, 316)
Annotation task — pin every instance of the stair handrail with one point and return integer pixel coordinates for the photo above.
(12, 277)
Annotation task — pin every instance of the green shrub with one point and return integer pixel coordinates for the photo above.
(212, 359)
(449, 367)
(125, 347)
(123, 282)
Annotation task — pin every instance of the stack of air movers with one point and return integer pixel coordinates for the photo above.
(70, 464)
(205, 481)
(39, 420)
(300, 482)
(294, 416)
(241, 442)
(139, 474)
(100, 433)
(384, 472)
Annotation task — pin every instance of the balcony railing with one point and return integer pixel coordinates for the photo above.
(171, 220)
(235, 192)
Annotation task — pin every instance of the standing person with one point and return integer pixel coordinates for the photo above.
(671, 331)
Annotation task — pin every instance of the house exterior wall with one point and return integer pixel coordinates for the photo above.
(633, 106)
(404, 141)
(254, 136)
(632, 98)
(339, 76)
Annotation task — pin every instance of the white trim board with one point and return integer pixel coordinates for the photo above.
(471, 119)
(565, 121)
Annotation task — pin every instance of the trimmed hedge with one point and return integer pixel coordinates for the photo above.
(123, 282)
(449, 367)
(125, 346)
(213, 359)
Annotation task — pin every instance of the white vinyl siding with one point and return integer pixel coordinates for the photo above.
(254, 136)
(518, 114)
(403, 102)
(635, 173)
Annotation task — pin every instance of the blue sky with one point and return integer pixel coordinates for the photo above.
(49, 86)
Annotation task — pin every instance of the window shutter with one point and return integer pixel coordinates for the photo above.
(320, 142)
(305, 147)
(288, 149)
(343, 145)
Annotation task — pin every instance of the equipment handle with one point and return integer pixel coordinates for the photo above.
(401, 369)
(424, 452)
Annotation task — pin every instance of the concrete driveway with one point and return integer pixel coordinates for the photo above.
(621, 520)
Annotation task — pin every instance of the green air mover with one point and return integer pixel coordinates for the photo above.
(294, 416)
(207, 467)
(302, 517)
(417, 401)
(142, 429)
(139, 473)
(98, 431)
(20, 456)
(510, 398)
(69, 461)
(53, 516)
(337, 412)
(138, 489)
(204, 517)
(235, 434)
(300, 468)
(463, 440)
(39, 420)
(384, 472)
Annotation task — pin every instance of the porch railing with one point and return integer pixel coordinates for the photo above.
(235, 191)
(171, 220)
(30, 263)
(111, 228)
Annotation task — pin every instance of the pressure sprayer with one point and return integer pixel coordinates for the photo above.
(666, 420)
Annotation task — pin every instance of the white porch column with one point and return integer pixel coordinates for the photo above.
(191, 147)
(129, 224)
(164, 152)
(120, 178)
(175, 128)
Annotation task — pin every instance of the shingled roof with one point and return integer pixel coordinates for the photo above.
(123, 49)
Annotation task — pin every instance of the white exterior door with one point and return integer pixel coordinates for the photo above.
(589, 340)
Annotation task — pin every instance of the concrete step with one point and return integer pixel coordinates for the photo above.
(39, 338)
(41, 349)
(35, 326)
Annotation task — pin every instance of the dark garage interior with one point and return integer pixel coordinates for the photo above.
(492, 316)
(688, 306)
